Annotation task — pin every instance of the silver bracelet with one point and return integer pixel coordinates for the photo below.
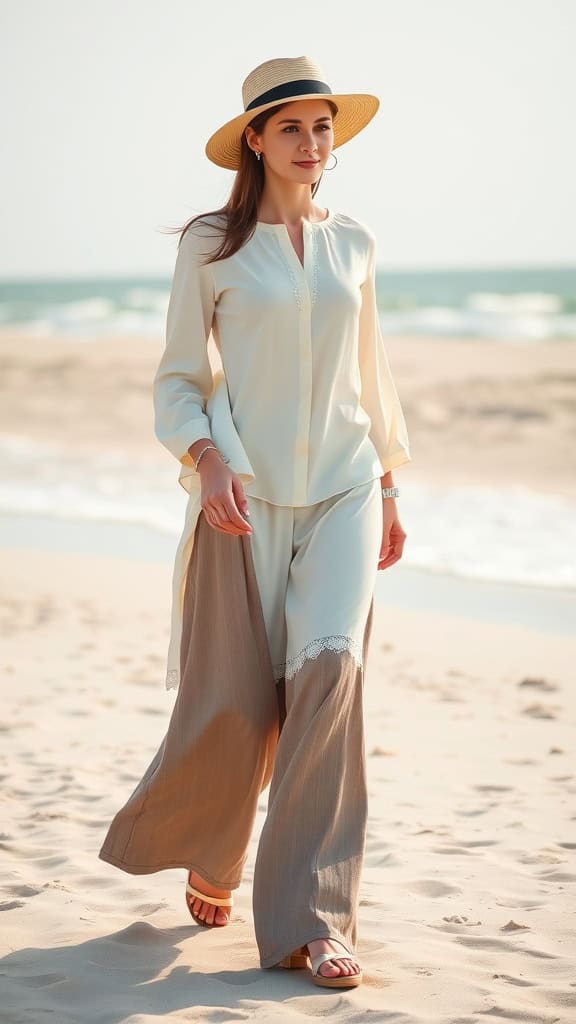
(207, 448)
(390, 492)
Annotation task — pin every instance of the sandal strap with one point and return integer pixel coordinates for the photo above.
(323, 957)
(216, 901)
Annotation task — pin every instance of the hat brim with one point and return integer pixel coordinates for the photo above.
(355, 110)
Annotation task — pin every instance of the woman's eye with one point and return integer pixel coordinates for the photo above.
(325, 127)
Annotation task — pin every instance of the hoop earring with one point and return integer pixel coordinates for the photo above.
(333, 165)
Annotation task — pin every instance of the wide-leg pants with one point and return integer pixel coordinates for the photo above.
(276, 630)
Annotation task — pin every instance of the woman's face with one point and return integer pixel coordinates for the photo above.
(301, 132)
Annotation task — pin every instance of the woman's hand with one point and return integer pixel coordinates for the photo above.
(393, 536)
(223, 500)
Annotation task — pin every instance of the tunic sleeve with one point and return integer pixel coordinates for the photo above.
(379, 397)
(183, 379)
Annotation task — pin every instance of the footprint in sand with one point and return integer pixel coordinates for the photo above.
(486, 787)
(540, 857)
(503, 946)
(557, 876)
(454, 850)
(475, 812)
(12, 905)
(522, 982)
(147, 909)
(432, 888)
(538, 684)
(518, 904)
(473, 843)
(21, 890)
(459, 919)
(541, 710)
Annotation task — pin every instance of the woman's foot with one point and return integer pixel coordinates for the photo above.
(204, 911)
(332, 968)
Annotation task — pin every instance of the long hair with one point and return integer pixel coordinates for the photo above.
(240, 212)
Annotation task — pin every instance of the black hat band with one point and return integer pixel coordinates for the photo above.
(300, 87)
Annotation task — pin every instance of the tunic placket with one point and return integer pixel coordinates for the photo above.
(301, 275)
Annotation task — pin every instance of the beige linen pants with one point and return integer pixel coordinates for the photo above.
(275, 638)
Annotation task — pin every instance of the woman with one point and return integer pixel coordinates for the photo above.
(287, 455)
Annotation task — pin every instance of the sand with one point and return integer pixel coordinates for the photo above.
(467, 902)
(467, 908)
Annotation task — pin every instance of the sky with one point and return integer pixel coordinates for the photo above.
(108, 104)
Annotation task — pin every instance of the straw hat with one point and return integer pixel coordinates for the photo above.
(280, 81)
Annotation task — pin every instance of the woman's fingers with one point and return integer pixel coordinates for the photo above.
(392, 547)
(399, 540)
(236, 517)
(385, 562)
(215, 520)
(223, 527)
(225, 516)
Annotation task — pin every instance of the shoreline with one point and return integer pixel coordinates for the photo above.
(479, 412)
(547, 609)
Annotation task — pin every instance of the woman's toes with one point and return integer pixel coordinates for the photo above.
(207, 912)
(329, 969)
(336, 967)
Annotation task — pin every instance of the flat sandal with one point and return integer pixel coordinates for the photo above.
(216, 901)
(339, 980)
(300, 957)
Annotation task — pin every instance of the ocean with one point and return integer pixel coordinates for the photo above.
(521, 304)
(466, 532)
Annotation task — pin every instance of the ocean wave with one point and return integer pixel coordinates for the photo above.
(478, 533)
(519, 304)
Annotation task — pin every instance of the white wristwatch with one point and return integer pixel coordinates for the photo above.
(390, 492)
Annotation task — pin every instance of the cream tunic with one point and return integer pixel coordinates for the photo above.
(305, 405)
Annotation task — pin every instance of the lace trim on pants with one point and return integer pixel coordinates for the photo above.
(172, 679)
(288, 669)
(337, 642)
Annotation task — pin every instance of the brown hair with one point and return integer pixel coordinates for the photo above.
(240, 212)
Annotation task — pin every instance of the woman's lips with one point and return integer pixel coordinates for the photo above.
(306, 163)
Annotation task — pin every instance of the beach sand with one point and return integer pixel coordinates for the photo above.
(466, 910)
(467, 899)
